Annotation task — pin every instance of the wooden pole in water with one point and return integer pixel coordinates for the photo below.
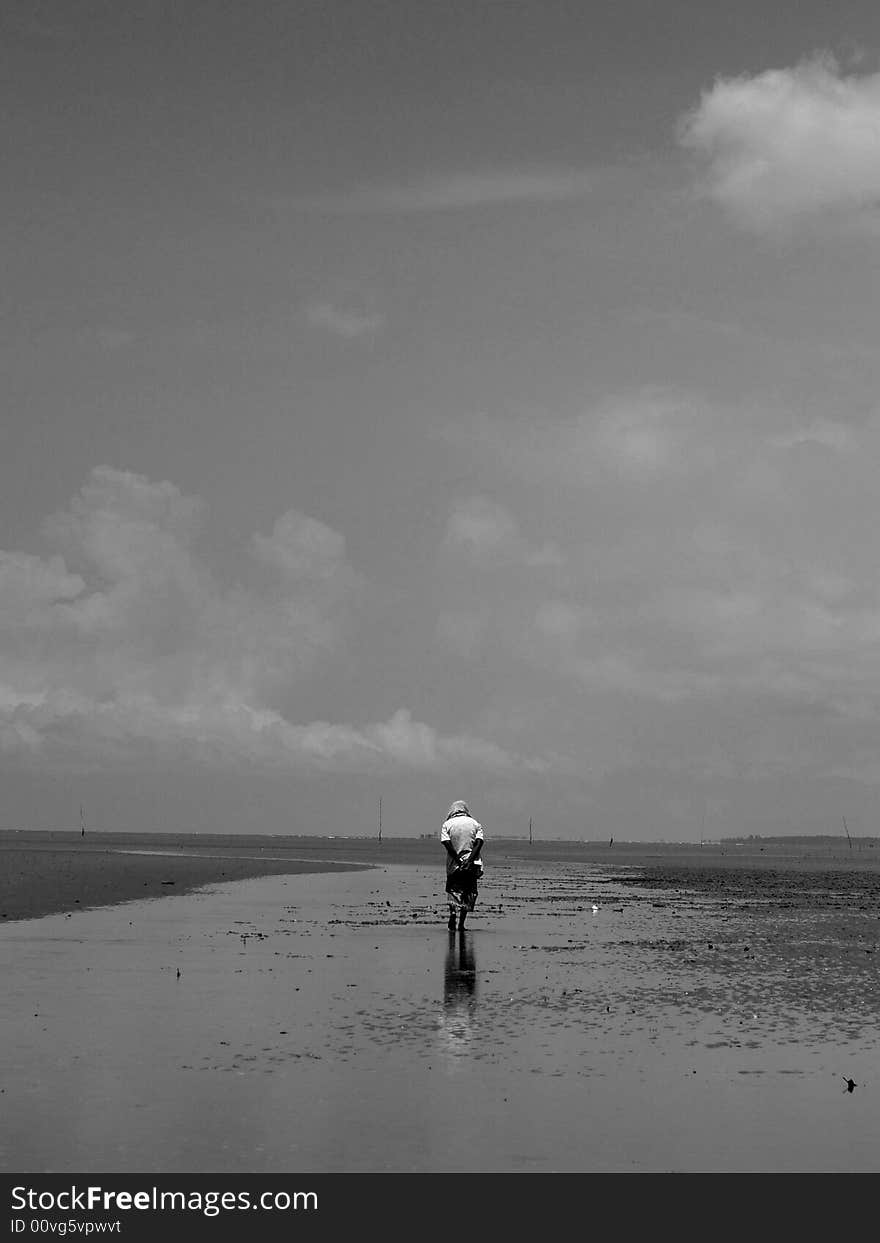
(82, 822)
(846, 831)
(380, 817)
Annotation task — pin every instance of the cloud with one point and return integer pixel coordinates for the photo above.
(122, 646)
(127, 610)
(827, 433)
(497, 573)
(624, 439)
(713, 554)
(345, 322)
(410, 744)
(487, 533)
(66, 728)
(627, 451)
(790, 143)
(461, 192)
(302, 548)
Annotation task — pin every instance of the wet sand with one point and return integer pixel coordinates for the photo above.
(698, 1019)
(42, 873)
(45, 873)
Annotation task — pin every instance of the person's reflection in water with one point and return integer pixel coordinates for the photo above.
(459, 997)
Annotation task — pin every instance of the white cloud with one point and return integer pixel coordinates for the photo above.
(625, 439)
(647, 434)
(790, 143)
(711, 553)
(28, 584)
(302, 548)
(63, 727)
(126, 646)
(823, 432)
(345, 322)
(488, 534)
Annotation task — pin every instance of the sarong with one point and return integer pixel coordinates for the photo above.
(461, 889)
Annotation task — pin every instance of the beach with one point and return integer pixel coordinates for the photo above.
(42, 873)
(643, 1015)
(45, 873)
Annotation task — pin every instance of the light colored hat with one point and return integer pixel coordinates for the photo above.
(458, 808)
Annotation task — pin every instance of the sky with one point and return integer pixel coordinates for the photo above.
(432, 401)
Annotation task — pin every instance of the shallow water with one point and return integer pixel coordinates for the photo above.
(329, 1022)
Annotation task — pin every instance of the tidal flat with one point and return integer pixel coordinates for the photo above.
(647, 1012)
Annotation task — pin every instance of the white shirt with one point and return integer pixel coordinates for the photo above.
(461, 832)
